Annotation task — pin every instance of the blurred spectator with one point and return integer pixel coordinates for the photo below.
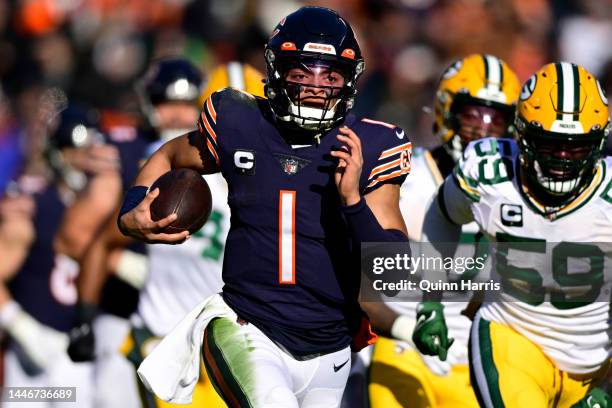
(11, 154)
(584, 38)
(95, 49)
(414, 70)
(606, 84)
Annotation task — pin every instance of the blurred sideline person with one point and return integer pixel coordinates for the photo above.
(111, 374)
(107, 319)
(178, 277)
(297, 164)
(37, 294)
(544, 339)
(476, 97)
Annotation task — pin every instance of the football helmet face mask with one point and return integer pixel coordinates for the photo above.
(476, 97)
(562, 124)
(315, 40)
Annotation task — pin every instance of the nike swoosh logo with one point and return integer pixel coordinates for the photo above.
(337, 368)
(400, 135)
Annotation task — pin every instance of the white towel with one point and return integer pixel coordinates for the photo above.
(172, 369)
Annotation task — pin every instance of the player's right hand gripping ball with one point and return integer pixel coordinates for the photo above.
(186, 193)
(430, 334)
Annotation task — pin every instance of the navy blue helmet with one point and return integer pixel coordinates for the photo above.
(172, 80)
(75, 126)
(312, 36)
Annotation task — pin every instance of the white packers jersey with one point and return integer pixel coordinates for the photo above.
(181, 276)
(416, 193)
(554, 269)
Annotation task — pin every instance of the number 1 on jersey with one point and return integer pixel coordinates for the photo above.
(286, 237)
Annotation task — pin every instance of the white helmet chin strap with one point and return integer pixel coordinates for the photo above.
(310, 118)
(554, 187)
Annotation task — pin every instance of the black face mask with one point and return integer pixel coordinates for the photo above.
(560, 166)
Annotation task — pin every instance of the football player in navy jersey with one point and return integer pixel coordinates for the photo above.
(37, 293)
(308, 182)
(112, 275)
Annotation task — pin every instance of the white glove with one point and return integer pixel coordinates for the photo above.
(43, 345)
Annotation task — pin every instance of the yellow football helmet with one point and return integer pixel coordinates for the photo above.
(562, 124)
(475, 81)
(234, 74)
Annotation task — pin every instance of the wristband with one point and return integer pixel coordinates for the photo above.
(365, 227)
(402, 328)
(86, 312)
(133, 197)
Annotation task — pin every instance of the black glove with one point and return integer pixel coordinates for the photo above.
(82, 342)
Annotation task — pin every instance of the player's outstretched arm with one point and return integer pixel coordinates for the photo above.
(94, 270)
(442, 225)
(135, 217)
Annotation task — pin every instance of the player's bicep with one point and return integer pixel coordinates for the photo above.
(384, 204)
(186, 151)
(391, 165)
(209, 163)
(208, 129)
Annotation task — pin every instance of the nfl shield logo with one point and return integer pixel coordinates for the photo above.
(291, 166)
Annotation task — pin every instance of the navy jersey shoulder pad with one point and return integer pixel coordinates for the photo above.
(387, 152)
(226, 106)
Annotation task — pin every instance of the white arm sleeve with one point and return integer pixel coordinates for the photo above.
(449, 209)
(453, 203)
(442, 225)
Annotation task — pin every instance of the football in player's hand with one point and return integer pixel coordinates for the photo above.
(186, 193)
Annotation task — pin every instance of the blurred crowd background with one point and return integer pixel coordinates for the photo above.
(94, 51)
